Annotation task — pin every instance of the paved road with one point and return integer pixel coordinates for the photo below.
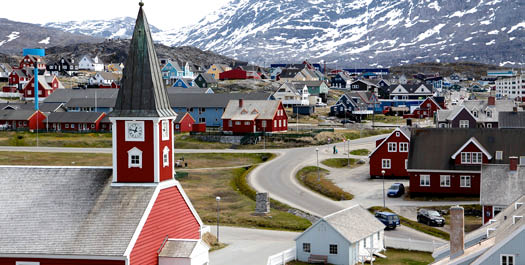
(250, 246)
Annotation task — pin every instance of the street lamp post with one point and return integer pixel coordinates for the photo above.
(218, 199)
(384, 202)
(348, 149)
(318, 175)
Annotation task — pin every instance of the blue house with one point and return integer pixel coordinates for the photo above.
(183, 82)
(208, 108)
(171, 71)
(348, 103)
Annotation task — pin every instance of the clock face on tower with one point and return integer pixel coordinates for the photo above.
(134, 131)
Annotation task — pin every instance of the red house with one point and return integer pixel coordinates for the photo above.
(29, 62)
(447, 161)
(18, 78)
(22, 119)
(134, 213)
(74, 121)
(391, 155)
(239, 73)
(251, 116)
(426, 109)
(46, 86)
(184, 122)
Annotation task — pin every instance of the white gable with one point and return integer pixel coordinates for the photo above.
(422, 89)
(400, 90)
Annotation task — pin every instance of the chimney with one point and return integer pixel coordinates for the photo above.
(240, 103)
(457, 233)
(513, 165)
(492, 101)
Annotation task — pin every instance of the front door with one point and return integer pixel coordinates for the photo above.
(59, 127)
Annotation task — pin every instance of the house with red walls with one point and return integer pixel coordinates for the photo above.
(426, 109)
(254, 116)
(29, 62)
(133, 213)
(18, 79)
(81, 121)
(184, 123)
(239, 73)
(391, 154)
(22, 119)
(448, 161)
(46, 86)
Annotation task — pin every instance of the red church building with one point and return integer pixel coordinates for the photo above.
(391, 155)
(254, 116)
(134, 213)
(447, 161)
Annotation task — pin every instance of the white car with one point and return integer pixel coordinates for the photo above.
(320, 104)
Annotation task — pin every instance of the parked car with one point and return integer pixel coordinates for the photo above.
(391, 220)
(430, 217)
(320, 104)
(347, 121)
(396, 190)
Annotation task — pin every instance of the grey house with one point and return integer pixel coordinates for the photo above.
(341, 238)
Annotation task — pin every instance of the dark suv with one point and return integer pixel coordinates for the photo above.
(430, 217)
(396, 190)
(391, 220)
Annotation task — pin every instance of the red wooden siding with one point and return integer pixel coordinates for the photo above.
(277, 124)
(135, 174)
(37, 121)
(170, 216)
(185, 124)
(470, 148)
(436, 189)
(397, 159)
(12, 261)
(165, 173)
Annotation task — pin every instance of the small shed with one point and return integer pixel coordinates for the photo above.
(184, 252)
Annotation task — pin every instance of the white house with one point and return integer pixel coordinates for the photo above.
(292, 94)
(92, 64)
(343, 238)
(103, 78)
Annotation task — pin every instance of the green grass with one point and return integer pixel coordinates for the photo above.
(360, 152)
(185, 141)
(54, 159)
(308, 177)
(414, 224)
(211, 160)
(402, 257)
(386, 118)
(339, 162)
(55, 139)
(352, 135)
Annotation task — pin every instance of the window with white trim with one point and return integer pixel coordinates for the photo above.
(507, 259)
(406, 163)
(392, 147)
(333, 249)
(385, 163)
(489, 125)
(67, 125)
(134, 158)
(397, 134)
(499, 155)
(237, 123)
(166, 157)
(444, 181)
(465, 158)
(424, 180)
(477, 158)
(263, 124)
(230, 123)
(464, 124)
(403, 147)
(464, 182)
(246, 123)
(306, 247)
(522, 160)
(165, 130)
(27, 263)
(274, 123)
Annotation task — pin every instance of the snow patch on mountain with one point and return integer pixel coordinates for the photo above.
(45, 41)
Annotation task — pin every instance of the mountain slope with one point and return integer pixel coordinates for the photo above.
(14, 36)
(114, 28)
(357, 32)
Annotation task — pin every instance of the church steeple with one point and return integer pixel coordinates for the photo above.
(142, 93)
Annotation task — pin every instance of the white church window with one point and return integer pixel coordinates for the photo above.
(134, 158)
(166, 157)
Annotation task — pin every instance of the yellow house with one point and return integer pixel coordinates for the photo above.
(216, 69)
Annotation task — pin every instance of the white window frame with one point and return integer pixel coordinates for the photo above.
(424, 180)
(330, 249)
(246, 123)
(230, 123)
(499, 155)
(464, 180)
(406, 164)
(280, 123)
(507, 256)
(166, 157)
(403, 147)
(237, 123)
(397, 134)
(27, 263)
(392, 147)
(129, 139)
(274, 123)
(466, 157)
(263, 124)
(386, 163)
(477, 157)
(489, 125)
(522, 160)
(464, 124)
(134, 152)
(444, 181)
(165, 130)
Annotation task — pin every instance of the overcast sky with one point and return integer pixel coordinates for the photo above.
(164, 14)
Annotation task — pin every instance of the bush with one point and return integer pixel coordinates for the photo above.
(338, 162)
(360, 152)
(308, 177)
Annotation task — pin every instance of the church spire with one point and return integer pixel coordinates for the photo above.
(142, 92)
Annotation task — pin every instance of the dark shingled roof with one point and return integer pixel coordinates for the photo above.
(432, 148)
(67, 211)
(16, 115)
(510, 119)
(64, 95)
(211, 100)
(74, 117)
(90, 102)
(142, 93)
